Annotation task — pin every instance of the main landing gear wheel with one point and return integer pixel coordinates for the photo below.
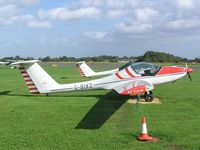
(148, 97)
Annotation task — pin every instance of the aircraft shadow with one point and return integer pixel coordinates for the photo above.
(106, 106)
(5, 92)
(63, 77)
(102, 110)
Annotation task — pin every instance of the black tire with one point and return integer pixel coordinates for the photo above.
(148, 97)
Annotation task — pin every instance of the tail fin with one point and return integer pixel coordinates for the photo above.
(37, 80)
(84, 69)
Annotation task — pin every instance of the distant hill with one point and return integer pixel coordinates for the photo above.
(152, 56)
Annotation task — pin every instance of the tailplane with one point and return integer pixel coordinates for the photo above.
(37, 80)
(84, 69)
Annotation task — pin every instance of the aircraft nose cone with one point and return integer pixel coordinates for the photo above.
(189, 70)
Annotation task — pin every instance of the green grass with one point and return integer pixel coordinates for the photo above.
(97, 119)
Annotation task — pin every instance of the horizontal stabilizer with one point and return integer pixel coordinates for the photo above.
(86, 71)
(25, 62)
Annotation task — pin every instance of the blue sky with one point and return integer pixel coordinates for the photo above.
(80, 28)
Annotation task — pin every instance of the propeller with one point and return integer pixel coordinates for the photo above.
(189, 76)
(189, 70)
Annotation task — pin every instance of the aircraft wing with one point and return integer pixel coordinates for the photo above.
(134, 88)
(4, 63)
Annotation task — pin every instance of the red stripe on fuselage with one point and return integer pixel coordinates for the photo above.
(170, 70)
(118, 76)
(129, 73)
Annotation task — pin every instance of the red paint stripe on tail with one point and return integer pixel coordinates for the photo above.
(33, 89)
(26, 76)
(22, 72)
(28, 80)
(30, 84)
(21, 68)
(80, 71)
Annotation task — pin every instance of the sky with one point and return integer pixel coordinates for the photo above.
(79, 28)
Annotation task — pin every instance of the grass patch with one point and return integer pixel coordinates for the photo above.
(97, 119)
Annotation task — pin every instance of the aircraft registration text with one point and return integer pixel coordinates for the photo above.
(83, 86)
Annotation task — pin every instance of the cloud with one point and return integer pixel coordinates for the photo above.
(39, 24)
(185, 4)
(127, 27)
(132, 27)
(116, 13)
(145, 14)
(110, 4)
(28, 20)
(127, 16)
(16, 19)
(64, 13)
(95, 35)
(150, 18)
(183, 24)
(10, 9)
(23, 3)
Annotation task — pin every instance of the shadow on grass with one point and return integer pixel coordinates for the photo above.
(106, 106)
(102, 111)
(5, 92)
(63, 77)
(8, 93)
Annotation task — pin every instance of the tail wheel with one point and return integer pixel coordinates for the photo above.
(148, 97)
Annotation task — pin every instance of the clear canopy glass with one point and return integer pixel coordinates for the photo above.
(145, 69)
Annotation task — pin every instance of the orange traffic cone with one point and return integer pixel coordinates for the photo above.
(144, 135)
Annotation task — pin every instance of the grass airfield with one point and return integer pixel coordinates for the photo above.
(98, 119)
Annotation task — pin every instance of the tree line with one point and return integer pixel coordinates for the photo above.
(149, 56)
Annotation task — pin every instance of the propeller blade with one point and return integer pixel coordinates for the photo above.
(189, 76)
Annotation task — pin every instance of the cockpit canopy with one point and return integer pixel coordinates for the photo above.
(145, 69)
(142, 68)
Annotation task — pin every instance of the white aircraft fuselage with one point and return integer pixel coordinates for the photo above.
(135, 79)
